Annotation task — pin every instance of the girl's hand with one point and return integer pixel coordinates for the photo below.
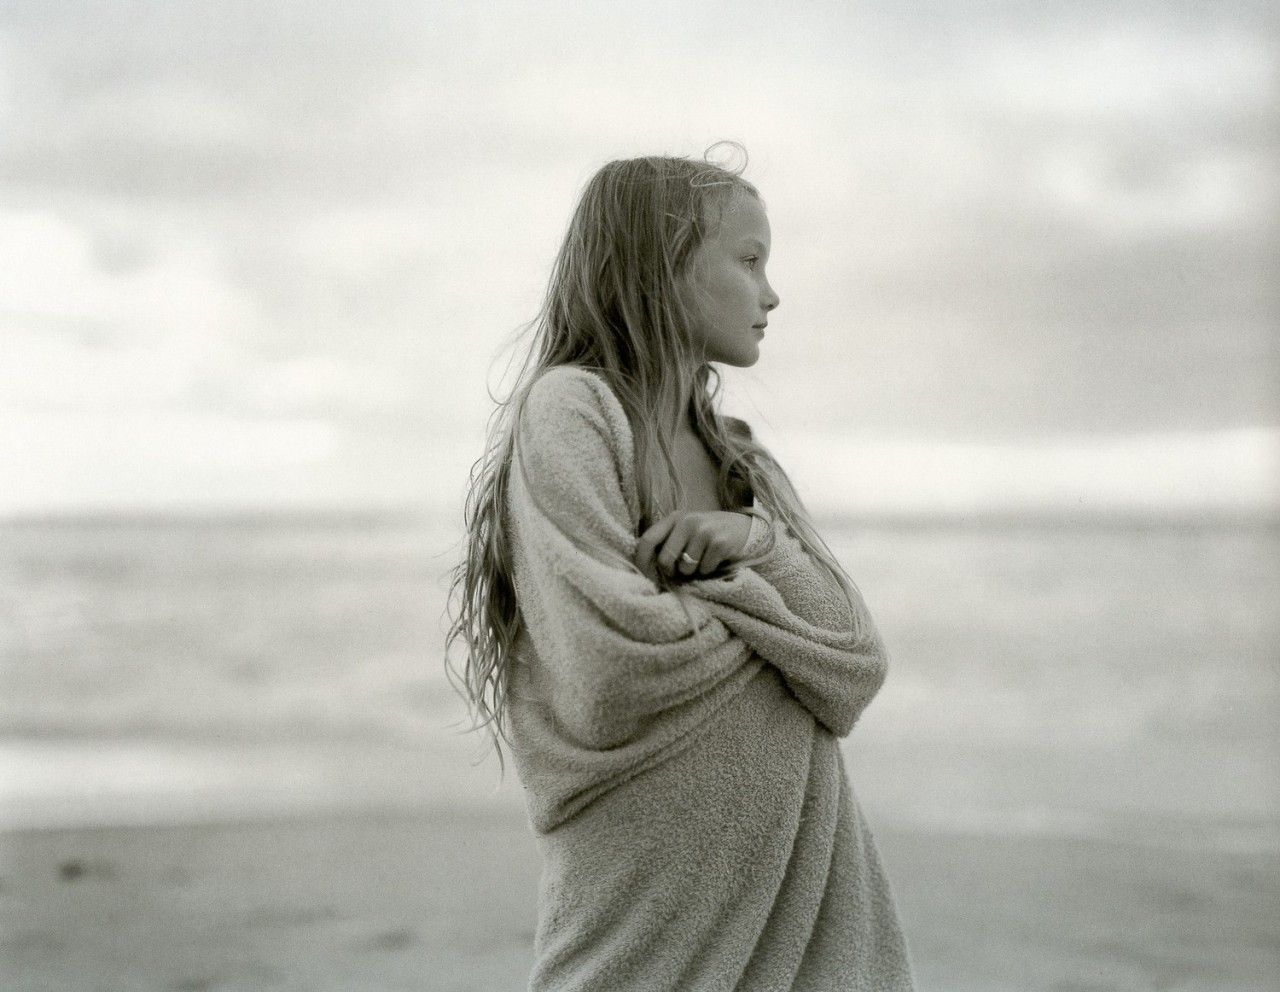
(689, 544)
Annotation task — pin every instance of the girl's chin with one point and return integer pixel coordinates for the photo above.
(743, 359)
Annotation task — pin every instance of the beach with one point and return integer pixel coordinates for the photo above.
(445, 901)
(229, 759)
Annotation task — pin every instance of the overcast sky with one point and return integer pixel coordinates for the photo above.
(266, 252)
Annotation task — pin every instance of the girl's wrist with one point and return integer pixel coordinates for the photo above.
(758, 531)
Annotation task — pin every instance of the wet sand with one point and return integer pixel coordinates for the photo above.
(440, 900)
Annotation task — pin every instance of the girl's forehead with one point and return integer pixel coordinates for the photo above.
(742, 218)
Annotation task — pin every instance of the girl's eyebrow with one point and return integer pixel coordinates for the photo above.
(757, 244)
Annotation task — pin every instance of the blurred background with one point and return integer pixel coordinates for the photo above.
(259, 265)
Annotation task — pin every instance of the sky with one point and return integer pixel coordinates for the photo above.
(273, 254)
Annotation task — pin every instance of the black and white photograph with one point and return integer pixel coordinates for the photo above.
(681, 497)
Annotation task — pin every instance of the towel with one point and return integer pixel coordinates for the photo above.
(679, 748)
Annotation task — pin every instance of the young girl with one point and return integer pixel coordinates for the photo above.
(655, 629)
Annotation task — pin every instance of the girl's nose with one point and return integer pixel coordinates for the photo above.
(770, 297)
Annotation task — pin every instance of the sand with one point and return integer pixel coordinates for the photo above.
(444, 900)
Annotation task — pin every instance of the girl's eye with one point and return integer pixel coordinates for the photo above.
(751, 261)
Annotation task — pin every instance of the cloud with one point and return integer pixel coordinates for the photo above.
(1228, 471)
(136, 460)
(58, 461)
(988, 223)
(55, 277)
(1144, 68)
(171, 334)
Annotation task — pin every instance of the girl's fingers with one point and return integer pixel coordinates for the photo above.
(676, 542)
(693, 558)
(657, 533)
(709, 539)
(650, 540)
(712, 558)
(712, 555)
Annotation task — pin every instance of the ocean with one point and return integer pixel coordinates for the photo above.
(1075, 677)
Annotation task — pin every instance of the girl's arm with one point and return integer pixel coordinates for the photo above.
(612, 649)
(808, 589)
(833, 670)
(794, 613)
(789, 609)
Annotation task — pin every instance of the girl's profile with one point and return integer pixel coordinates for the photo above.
(656, 633)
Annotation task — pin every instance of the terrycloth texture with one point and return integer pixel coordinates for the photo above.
(679, 749)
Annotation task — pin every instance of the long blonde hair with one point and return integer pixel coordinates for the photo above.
(612, 306)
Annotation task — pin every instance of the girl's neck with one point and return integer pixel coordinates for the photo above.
(673, 411)
(675, 406)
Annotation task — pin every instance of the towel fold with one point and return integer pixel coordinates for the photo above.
(678, 748)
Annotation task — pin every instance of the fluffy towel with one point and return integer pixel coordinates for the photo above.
(679, 749)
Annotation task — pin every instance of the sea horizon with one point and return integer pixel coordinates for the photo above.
(1067, 674)
(409, 513)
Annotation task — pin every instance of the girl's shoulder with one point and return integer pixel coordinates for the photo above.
(569, 385)
(572, 437)
(737, 427)
(567, 380)
(563, 397)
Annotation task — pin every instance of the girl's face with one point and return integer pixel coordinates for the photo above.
(725, 289)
